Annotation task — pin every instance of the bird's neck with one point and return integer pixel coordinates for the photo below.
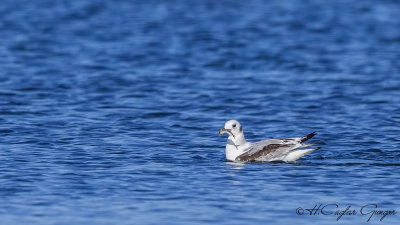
(238, 139)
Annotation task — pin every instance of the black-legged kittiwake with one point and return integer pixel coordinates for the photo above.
(280, 149)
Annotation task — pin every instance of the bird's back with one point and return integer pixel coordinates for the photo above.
(271, 149)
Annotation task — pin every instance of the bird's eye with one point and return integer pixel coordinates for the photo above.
(234, 125)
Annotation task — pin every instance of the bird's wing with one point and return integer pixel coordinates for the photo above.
(272, 148)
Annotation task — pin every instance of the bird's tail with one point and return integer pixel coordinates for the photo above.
(308, 136)
(295, 155)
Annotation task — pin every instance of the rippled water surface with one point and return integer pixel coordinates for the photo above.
(110, 110)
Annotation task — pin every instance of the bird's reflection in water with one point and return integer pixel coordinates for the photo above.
(235, 165)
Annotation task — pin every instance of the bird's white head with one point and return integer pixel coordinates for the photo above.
(234, 130)
(232, 127)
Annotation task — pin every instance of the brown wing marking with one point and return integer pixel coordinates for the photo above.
(268, 149)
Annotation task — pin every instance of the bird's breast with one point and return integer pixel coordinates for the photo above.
(233, 151)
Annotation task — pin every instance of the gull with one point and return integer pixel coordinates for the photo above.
(282, 149)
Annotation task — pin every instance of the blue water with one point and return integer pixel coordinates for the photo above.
(110, 110)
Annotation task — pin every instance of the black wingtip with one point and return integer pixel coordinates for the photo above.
(308, 136)
(318, 148)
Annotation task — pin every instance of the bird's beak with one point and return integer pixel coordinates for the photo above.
(223, 131)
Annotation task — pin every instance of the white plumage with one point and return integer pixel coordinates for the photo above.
(285, 149)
